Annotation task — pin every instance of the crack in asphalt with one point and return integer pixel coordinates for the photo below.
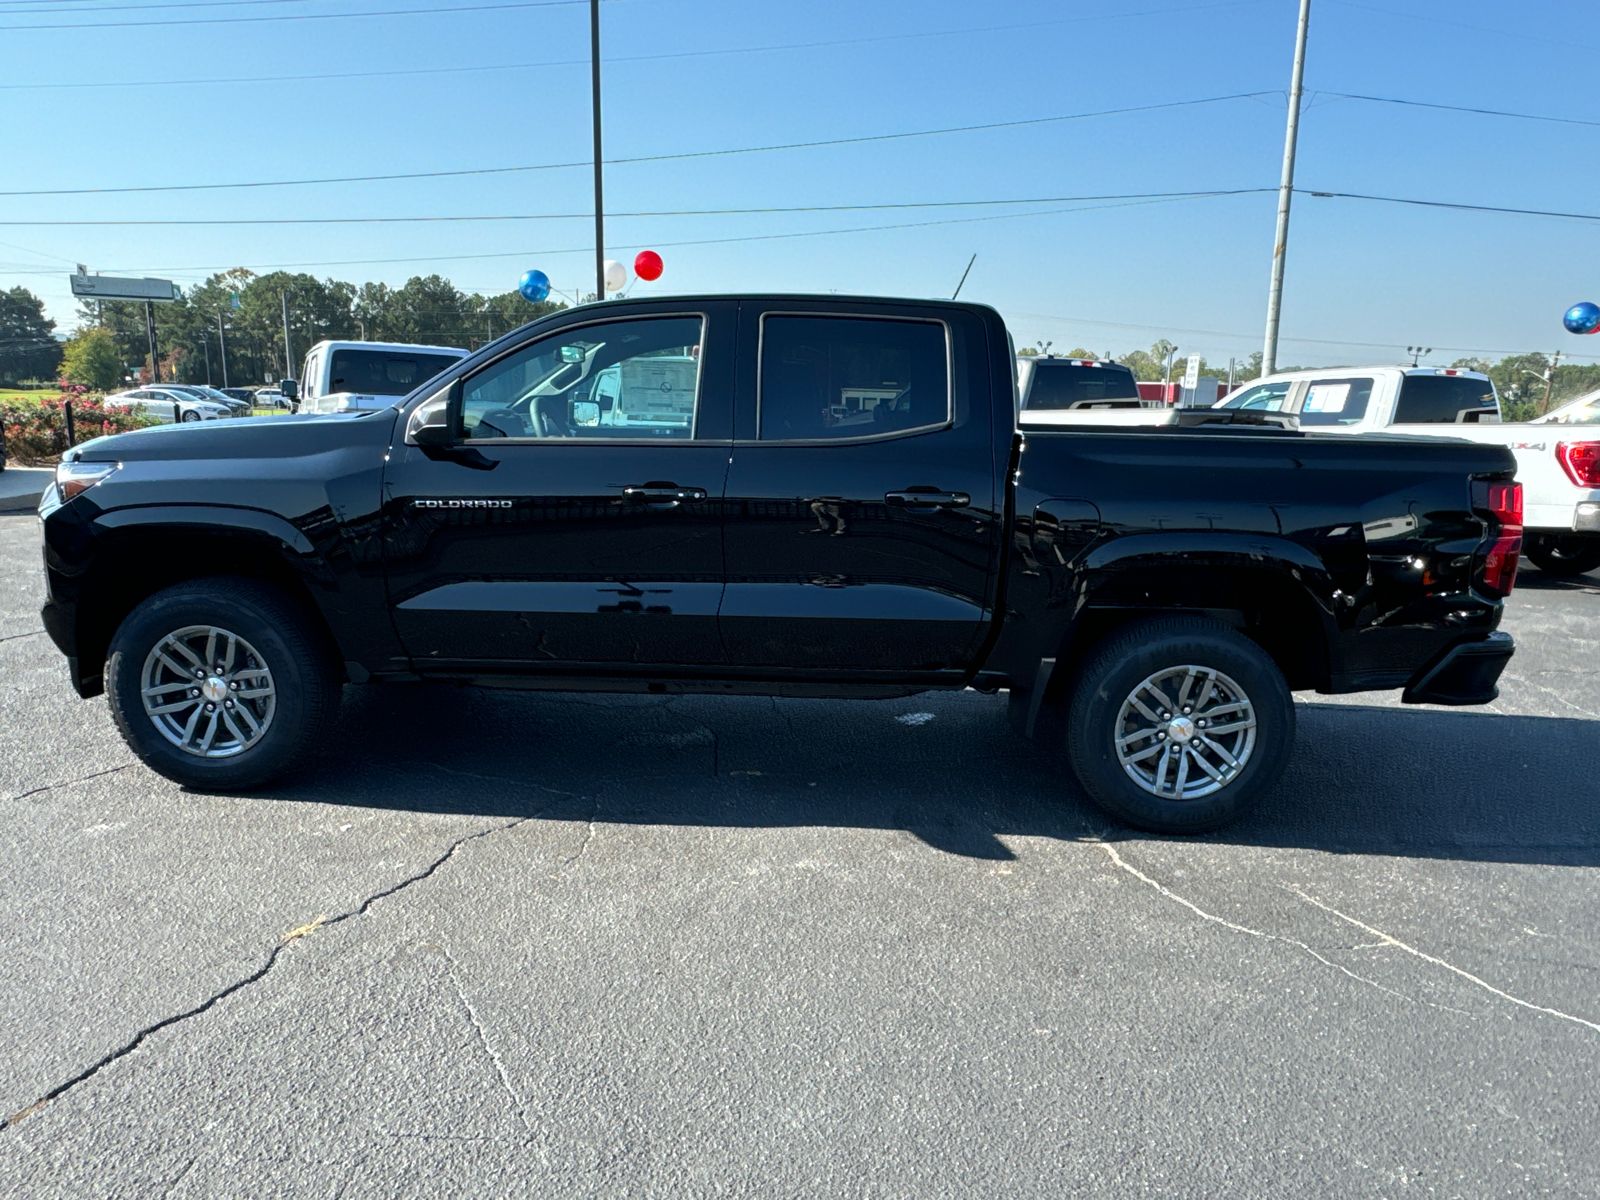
(50, 787)
(588, 837)
(258, 974)
(483, 1038)
(18, 636)
(1123, 864)
(1390, 940)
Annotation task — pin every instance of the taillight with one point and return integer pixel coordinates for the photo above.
(1499, 556)
(1581, 462)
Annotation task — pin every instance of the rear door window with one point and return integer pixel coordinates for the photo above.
(1442, 399)
(837, 378)
(1070, 385)
(1336, 401)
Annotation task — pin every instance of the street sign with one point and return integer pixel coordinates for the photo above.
(1191, 376)
(234, 300)
(107, 287)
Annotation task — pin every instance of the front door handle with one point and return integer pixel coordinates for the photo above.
(662, 495)
(917, 498)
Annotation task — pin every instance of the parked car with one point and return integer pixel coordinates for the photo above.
(1156, 610)
(271, 397)
(201, 391)
(1560, 472)
(246, 394)
(339, 376)
(167, 403)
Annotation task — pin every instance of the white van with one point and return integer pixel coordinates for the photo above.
(344, 375)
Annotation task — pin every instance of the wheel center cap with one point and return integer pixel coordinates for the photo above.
(1180, 729)
(215, 688)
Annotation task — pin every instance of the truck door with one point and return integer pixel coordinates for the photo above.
(862, 520)
(549, 534)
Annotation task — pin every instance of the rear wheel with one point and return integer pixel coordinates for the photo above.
(1179, 724)
(220, 684)
(1564, 554)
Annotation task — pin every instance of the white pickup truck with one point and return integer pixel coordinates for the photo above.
(345, 375)
(1558, 464)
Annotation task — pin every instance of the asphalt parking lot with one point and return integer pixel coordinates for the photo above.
(526, 945)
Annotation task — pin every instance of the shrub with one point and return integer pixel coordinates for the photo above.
(39, 431)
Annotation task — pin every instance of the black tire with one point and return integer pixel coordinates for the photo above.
(191, 415)
(1564, 555)
(1097, 718)
(275, 633)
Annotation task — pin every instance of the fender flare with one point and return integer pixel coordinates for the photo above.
(214, 516)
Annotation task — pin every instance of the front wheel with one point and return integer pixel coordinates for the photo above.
(1179, 724)
(220, 684)
(191, 415)
(1565, 555)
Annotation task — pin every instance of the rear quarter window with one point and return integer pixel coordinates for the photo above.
(1442, 399)
(1066, 385)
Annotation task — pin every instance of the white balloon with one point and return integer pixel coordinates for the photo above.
(616, 275)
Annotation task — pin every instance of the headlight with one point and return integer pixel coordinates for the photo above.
(73, 478)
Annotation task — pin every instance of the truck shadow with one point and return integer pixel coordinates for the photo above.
(947, 769)
(1538, 581)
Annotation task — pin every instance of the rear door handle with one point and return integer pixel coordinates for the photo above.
(920, 499)
(658, 495)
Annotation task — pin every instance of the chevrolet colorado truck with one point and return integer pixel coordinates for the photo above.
(777, 495)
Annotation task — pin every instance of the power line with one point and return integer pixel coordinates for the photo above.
(684, 212)
(390, 12)
(1486, 112)
(14, 6)
(646, 158)
(757, 237)
(1487, 208)
(325, 77)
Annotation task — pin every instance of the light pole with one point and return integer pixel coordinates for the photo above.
(599, 188)
(222, 349)
(1269, 351)
(1417, 352)
(288, 353)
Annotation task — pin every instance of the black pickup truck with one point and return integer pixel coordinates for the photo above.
(777, 495)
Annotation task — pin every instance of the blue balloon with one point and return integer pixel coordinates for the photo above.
(535, 286)
(1582, 318)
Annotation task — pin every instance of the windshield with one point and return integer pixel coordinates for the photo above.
(1265, 397)
(383, 372)
(1067, 385)
(1579, 412)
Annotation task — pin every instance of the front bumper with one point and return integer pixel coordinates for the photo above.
(1466, 673)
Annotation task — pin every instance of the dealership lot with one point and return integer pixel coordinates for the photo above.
(506, 943)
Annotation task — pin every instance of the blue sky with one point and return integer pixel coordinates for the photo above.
(702, 75)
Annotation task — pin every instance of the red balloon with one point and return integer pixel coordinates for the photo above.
(648, 266)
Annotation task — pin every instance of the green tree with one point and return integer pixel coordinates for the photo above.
(92, 359)
(28, 348)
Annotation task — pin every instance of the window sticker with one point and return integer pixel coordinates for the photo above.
(1327, 397)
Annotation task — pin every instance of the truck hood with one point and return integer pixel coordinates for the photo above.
(241, 438)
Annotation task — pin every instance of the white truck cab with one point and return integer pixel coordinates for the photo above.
(345, 375)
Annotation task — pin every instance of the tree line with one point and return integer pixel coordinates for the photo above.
(232, 326)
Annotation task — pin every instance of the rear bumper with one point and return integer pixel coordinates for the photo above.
(1466, 673)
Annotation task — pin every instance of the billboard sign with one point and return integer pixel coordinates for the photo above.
(107, 287)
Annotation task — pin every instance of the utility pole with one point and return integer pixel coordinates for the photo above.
(1269, 352)
(288, 353)
(205, 343)
(599, 189)
(222, 349)
(150, 332)
(1550, 383)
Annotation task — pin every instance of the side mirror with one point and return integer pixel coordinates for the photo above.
(572, 354)
(290, 389)
(585, 412)
(430, 421)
